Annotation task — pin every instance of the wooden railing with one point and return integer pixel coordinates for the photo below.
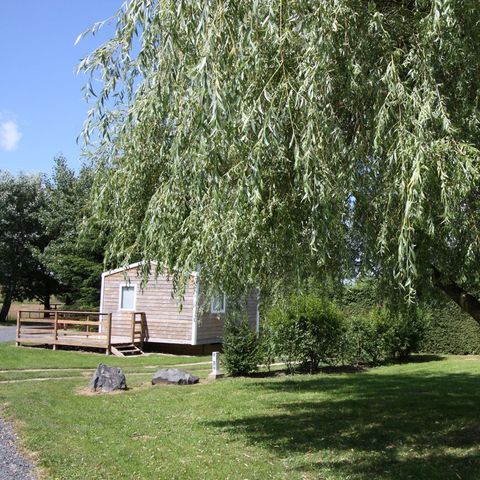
(56, 327)
(138, 328)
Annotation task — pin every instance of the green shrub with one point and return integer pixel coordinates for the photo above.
(278, 341)
(382, 333)
(362, 342)
(266, 353)
(401, 330)
(240, 346)
(404, 332)
(306, 331)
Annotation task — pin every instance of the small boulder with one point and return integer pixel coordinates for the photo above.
(108, 379)
(175, 376)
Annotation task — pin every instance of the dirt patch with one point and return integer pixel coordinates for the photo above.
(88, 392)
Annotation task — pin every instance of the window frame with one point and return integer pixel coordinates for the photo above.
(120, 296)
(212, 301)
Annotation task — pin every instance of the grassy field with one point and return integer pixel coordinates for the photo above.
(27, 305)
(414, 421)
(15, 307)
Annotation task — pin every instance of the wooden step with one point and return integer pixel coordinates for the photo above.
(126, 347)
(126, 350)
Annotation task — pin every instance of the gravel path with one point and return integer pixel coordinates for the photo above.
(7, 334)
(13, 465)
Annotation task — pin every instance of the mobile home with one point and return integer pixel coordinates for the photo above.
(199, 321)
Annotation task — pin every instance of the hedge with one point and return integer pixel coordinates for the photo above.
(450, 331)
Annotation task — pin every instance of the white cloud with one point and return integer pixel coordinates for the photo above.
(10, 135)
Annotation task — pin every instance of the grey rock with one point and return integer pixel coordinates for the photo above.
(108, 379)
(174, 375)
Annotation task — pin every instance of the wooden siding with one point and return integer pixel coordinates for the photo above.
(164, 321)
(211, 325)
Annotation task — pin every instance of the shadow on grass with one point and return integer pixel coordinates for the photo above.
(282, 372)
(418, 426)
(339, 369)
(420, 358)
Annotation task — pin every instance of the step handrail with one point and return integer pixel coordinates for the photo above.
(134, 332)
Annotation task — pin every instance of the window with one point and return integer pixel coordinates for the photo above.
(127, 297)
(218, 303)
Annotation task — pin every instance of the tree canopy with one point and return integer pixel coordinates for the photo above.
(42, 250)
(74, 257)
(22, 275)
(269, 141)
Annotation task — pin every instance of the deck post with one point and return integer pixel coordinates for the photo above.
(143, 321)
(19, 314)
(134, 317)
(109, 334)
(55, 330)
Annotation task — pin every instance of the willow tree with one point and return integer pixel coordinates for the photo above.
(271, 140)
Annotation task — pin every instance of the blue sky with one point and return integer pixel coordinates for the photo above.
(41, 103)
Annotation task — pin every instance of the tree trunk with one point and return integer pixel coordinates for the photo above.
(468, 303)
(46, 305)
(46, 302)
(7, 301)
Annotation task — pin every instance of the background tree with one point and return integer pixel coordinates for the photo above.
(22, 275)
(75, 259)
(282, 139)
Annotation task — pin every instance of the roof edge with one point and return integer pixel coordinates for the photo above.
(126, 267)
(135, 265)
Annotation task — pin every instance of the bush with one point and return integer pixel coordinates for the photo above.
(240, 346)
(307, 330)
(381, 333)
(362, 342)
(402, 331)
(266, 353)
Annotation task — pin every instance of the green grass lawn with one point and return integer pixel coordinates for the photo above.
(20, 358)
(419, 420)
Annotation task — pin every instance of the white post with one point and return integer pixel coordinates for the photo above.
(215, 363)
(215, 366)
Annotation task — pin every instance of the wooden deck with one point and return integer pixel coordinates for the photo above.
(77, 329)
